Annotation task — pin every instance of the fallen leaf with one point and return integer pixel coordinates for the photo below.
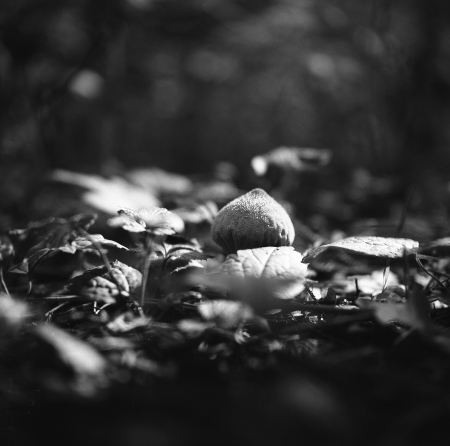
(296, 159)
(371, 283)
(225, 313)
(28, 265)
(279, 271)
(269, 262)
(159, 181)
(197, 213)
(373, 246)
(127, 322)
(413, 313)
(97, 283)
(193, 328)
(13, 314)
(106, 194)
(87, 367)
(6, 247)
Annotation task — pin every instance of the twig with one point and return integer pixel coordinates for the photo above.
(431, 275)
(3, 281)
(58, 298)
(49, 314)
(293, 329)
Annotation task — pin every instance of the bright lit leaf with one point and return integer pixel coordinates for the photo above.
(372, 246)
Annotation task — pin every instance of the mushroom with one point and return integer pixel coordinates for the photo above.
(252, 221)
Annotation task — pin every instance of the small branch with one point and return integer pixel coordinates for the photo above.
(429, 274)
(3, 281)
(301, 327)
(62, 298)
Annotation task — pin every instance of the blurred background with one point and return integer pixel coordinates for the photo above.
(110, 85)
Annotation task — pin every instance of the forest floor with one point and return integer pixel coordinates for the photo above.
(150, 334)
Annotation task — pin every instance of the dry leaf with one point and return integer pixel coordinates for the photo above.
(261, 277)
(413, 313)
(97, 283)
(296, 159)
(87, 366)
(371, 283)
(106, 194)
(225, 313)
(268, 262)
(374, 246)
(158, 181)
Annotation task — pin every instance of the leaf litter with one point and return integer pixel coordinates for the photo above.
(173, 318)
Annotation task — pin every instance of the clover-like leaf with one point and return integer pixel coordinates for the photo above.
(129, 219)
(27, 265)
(99, 284)
(384, 247)
(156, 220)
(52, 233)
(83, 242)
(30, 263)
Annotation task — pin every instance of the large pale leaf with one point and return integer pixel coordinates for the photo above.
(158, 181)
(282, 266)
(268, 262)
(106, 194)
(260, 274)
(384, 247)
(156, 220)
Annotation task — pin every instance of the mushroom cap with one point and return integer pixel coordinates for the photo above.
(252, 221)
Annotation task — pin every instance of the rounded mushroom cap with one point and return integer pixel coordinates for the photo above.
(252, 221)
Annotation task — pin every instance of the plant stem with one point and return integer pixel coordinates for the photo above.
(3, 281)
(99, 249)
(146, 267)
